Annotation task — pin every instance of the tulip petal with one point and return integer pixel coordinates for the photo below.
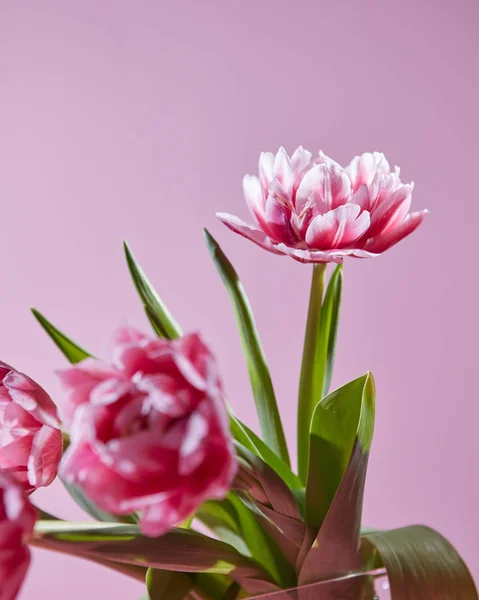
(45, 457)
(337, 228)
(391, 211)
(311, 256)
(300, 160)
(282, 170)
(265, 167)
(248, 231)
(254, 197)
(384, 241)
(363, 168)
(324, 187)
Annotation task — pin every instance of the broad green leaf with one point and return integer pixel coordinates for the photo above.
(167, 585)
(318, 354)
(269, 419)
(340, 419)
(341, 435)
(262, 547)
(164, 324)
(421, 564)
(178, 550)
(72, 351)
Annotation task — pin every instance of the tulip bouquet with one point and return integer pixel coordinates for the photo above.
(184, 496)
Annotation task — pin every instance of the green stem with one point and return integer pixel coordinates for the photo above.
(309, 389)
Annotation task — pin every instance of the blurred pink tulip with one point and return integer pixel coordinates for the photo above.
(17, 518)
(315, 211)
(150, 431)
(30, 435)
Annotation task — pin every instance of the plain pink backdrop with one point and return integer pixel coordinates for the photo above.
(137, 119)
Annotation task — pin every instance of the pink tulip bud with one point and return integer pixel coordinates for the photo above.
(150, 431)
(30, 434)
(17, 518)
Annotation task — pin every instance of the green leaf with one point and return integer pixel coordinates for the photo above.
(167, 585)
(341, 435)
(421, 564)
(221, 518)
(341, 418)
(180, 550)
(88, 506)
(157, 312)
(269, 419)
(263, 549)
(247, 438)
(73, 352)
(318, 354)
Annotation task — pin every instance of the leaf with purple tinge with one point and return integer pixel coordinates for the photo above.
(421, 564)
(178, 550)
(273, 503)
(341, 435)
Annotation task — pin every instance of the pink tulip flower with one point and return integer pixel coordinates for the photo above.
(149, 431)
(314, 210)
(30, 434)
(17, 518)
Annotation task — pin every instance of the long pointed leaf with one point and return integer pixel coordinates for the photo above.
(178, 550)
(72, 351)
(156, 309)
(318, 354)
(270, 421)
(341, 435)
(421, 564)
(263, 548)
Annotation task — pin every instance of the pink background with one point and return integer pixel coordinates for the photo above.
(137, 119)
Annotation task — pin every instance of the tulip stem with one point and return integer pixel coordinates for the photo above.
(310, 389)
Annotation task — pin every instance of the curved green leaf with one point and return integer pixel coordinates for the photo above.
(182, 550)
(340, 419)
(318, 353)
(157, 312)
(421, 564)
(341, 435)
(262, 547)
(72, 351)
(269, 419)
